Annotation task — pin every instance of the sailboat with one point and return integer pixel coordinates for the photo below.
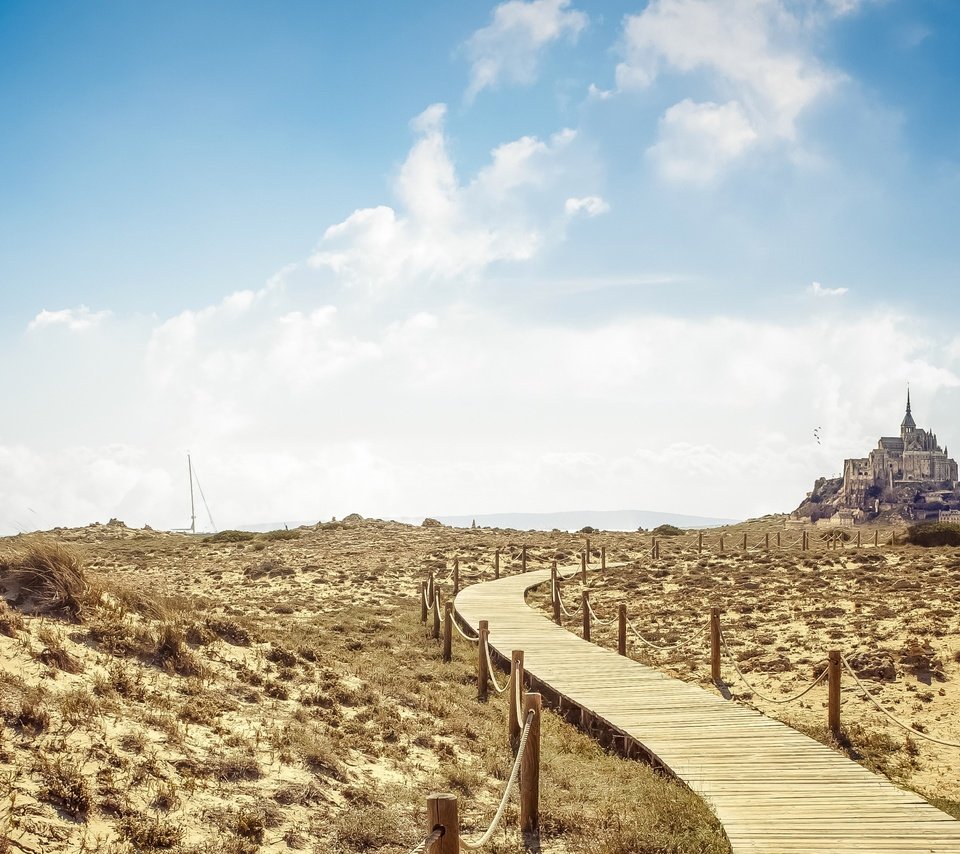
(193, 508)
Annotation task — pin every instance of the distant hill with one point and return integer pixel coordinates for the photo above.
(568, 520)
(574, 520)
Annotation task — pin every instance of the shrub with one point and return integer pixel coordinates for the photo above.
(667, 531)
(231, 537)
(934, 534)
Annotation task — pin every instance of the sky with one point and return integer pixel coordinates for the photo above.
(428, 258)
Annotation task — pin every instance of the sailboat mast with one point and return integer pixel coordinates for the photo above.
(193, 512)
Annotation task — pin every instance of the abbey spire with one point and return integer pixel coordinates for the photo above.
(908, 422)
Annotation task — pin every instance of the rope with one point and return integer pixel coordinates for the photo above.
(436, 604)
(423, 595)
(564, 607)
(474, 844)
(491, 672)
(563, 577)
(760, 694)
(427, 842)
(593, 614)
(890, 715)
(517, 695)
(464, 634)
(668, 647)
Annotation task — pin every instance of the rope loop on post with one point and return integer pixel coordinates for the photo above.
(474, 844)
(491, 672)
(594, 615)
(463, 634)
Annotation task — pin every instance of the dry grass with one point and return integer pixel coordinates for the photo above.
(49, 574)
(203, 719)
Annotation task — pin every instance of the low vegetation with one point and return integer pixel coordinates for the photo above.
(162, 692)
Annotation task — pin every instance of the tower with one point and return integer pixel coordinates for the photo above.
(908, 425)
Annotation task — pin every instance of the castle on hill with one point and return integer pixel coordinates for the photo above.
(914, 457)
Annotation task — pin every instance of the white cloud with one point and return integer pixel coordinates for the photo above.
(698, 141)
(590, 205)
(508, 50)
(757, 54)
(596, 93)
(819, 290)
(445, 228)
(75, 319)
(300, 410)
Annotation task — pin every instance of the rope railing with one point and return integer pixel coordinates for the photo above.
(757, 691)
(593, 614)
(563, 607)
(890, 715)
(668, 647)
(474, 844)
(518, 693)
(463, 634)
(491, 672)
(425, 844)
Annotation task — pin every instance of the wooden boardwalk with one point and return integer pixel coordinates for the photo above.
(773, 788)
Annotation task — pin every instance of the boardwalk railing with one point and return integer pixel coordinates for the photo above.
(524, 707)
(833, 664)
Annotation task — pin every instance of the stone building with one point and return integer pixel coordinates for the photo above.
(913, 457)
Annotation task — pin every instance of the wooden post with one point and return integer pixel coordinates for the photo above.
(721, 544)
(456, 576)
(448, 631)
(803, 541)
(423, 602)
(876, 537)
(585, 608)
(653, 548)
(766, 541)
(483, 675)
(583, 569)
(715, 645)
(859, 539)
(833, 692)
(496, 564)
(555, 593)
(603, 558)
(744, 542)
(700, 543)
(431, 587)
(442, 812)
(622, 629)
(523, 559)
(435, 633)
(587, 552)
(516, 684)
(893, 537)
(530, 769)
(778, 539)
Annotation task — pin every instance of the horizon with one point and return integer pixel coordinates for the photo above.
(538, 253)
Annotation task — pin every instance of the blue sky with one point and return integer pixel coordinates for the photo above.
(454, 258)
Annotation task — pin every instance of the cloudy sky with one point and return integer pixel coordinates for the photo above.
(430, 257)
